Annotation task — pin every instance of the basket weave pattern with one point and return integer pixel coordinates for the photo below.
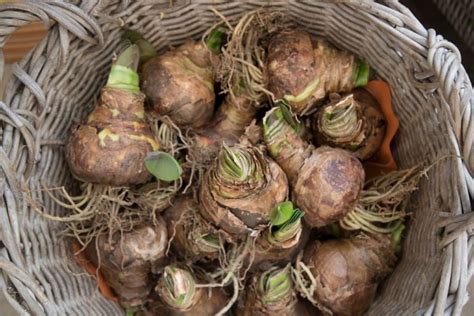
(460, 13)
(56, 84)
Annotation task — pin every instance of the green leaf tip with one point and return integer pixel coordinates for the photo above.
(361, 73)
(236, 163)
(397, 234)
(132, 36)
(281, 213)
(285, 223)
(289, 117)
(163, 166)
(231, 163)
(214, 40)
(271, 118)
(146, 49)
(129, 57)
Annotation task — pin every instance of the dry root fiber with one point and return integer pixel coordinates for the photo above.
(383, 202)
(104, 210)
(243, 57)
(180, 145)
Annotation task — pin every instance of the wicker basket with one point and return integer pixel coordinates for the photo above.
(59, 80)
(460, 13)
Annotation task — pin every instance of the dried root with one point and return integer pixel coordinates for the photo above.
(178, 144)
(169, 135)
(234, 267)
(105, 210)
(383, 203)
(243, 57)
(156, 196)
(304, 281)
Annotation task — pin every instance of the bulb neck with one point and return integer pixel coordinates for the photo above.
(123, 74)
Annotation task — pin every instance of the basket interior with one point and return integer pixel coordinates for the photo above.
(72, 88)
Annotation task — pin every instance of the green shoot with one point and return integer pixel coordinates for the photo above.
(272, 122)
(341, 120)
(237, 163)
(208, 242)
(215, 40)
(285, 222)
(281, 213)
(289, 117)
(147, 51)
(361, 74)
(123, 74)
(129, 58)
(275, 285)
(231, 163)
(397, 236)
(179, 286)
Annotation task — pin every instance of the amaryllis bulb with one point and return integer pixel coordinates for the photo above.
(346, 272)
(326, 181)
(304, 70)
(111, 145)
(240, 189)
(354, 122)
(180, 84)
(177, 288)
(128, 260)
(341, 123)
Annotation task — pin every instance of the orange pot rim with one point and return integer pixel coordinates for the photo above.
(383, 161)
(92, 270)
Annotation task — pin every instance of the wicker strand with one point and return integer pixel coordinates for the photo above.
(57, 84)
